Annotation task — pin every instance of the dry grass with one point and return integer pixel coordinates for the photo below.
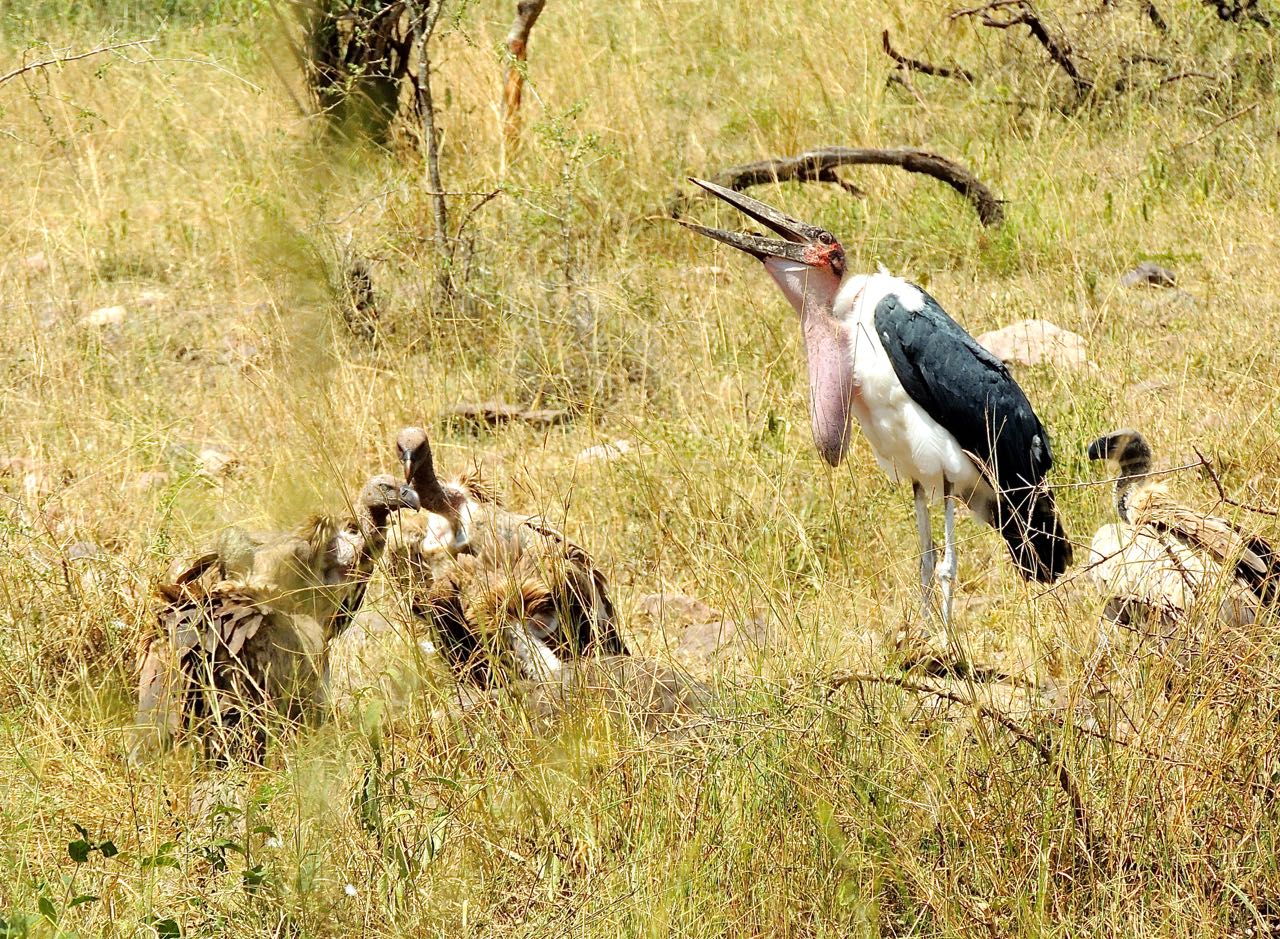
(185, 186)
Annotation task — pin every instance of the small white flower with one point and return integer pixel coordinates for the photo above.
(275, 842)
(350, 890)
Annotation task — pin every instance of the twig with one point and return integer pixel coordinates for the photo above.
(527, 13)
(60, 59)
(916, 65)
(1226, 120)
(1093, 845)
(1209, 471)
(1025, 15)
(819, 166)
(484, 200)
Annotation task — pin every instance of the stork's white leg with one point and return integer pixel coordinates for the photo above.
(947, 571)
(928, 556)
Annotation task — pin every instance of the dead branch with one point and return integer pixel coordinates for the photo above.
(1153, 14)
(1208, 469)
(1024, 14)
(924, 68)
(60, 59)
(1092, 843)
(527, 13)
(819, 166)
(430, 140)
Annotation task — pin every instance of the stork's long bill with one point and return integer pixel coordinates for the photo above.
(808, 264)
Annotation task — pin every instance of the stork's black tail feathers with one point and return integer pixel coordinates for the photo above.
(1028, 522)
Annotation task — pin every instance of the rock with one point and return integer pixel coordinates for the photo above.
(1036, 342)
(37, 478)
(605, 452)
(706, 631)
(36, 263)
(213, 463)
(152, 298)
(105, 316)
(703, 640)
(1149, 274)
(151, 479)
(678, 607)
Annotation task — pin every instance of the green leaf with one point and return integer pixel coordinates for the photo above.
(108, 849)
(81, 900)
(79, 850)
(165, 928)
(255, 876)
(47, 909)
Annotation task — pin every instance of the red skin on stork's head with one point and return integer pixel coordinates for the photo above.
(825, 252)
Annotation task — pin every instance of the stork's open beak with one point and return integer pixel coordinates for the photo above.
(808, 264)
(796, 235)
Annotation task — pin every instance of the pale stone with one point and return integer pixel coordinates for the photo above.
(1036, 342)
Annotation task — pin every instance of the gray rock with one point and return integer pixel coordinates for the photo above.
(1149, 274)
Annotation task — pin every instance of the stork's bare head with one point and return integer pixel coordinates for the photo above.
(808, 264)
(800, 243)
(1127, 448)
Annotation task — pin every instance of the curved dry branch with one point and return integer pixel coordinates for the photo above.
(819, 166)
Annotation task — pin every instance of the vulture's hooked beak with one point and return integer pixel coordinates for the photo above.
(409, 498)
(406, 460)
(808, 264)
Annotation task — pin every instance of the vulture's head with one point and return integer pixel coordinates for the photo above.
(384, 494)
(1126, 448)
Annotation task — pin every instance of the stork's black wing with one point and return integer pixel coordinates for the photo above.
(966, 389)
(971, 395)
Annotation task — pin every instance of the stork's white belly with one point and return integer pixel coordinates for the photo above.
(906, 441)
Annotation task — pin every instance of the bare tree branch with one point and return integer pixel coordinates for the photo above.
(1024, 14)
(819, 166)
(60, 59)
(527, 13)
(1207, 467)
(924, 68)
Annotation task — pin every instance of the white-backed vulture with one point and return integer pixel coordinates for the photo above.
(1165, 559)
(498, 587)
(230, 652)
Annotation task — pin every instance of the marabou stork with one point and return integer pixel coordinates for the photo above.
(936, 407)
(496, 584)
(234, 650)
(1165, 558)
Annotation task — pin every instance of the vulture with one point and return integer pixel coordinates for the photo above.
(1164, 559)
(505, 593)
(244, 636)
